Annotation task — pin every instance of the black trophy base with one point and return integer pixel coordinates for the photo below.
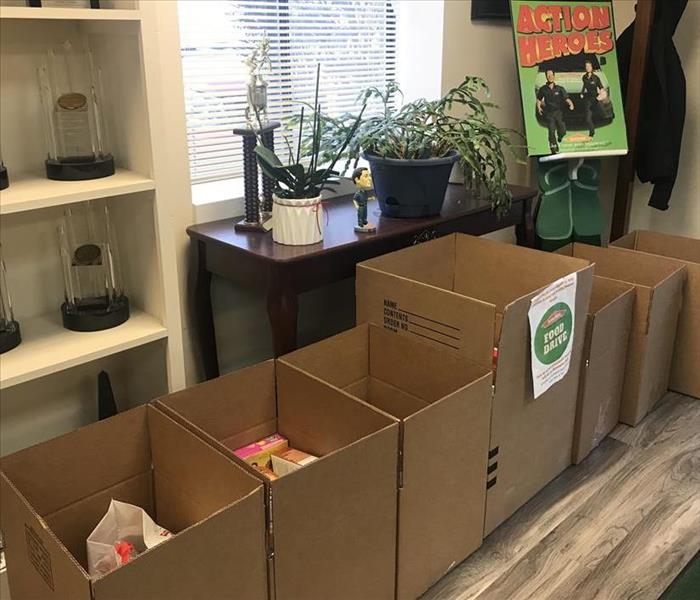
(10, 338)
(263, 226)
(96, 317)
(4, 179)
(78, 169)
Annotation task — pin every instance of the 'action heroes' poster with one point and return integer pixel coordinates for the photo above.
(569, 79)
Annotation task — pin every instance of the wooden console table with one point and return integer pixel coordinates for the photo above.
(253, 259)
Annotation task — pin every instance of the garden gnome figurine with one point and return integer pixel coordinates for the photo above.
(362, 178)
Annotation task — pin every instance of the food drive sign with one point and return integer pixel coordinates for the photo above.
(547, 31)
(552, 315)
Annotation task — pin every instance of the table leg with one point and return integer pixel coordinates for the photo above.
(525, 230)
(204, 317)
(283, 311)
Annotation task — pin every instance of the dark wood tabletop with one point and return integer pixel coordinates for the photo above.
(253, 259)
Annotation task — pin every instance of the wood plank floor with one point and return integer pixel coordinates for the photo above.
(620, 525)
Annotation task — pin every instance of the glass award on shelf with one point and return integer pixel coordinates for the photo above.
(10, 335)
(72, 105)
(64, 3)
(94, 290)
(4, 178)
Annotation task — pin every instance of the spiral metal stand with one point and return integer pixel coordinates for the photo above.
(256, 211)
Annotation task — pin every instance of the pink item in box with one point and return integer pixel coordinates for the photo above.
(258, 453)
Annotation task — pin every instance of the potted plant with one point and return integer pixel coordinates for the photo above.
(411, 150)
(296, 207)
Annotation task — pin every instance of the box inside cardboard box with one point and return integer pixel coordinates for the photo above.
(444, 403)
(467, 295)
(658, 285)
(335, 517)
(144, 458)
(685, 377)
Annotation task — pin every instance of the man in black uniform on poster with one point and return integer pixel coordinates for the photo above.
(550, 103)
(592, 86)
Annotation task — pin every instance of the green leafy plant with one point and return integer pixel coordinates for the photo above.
(457, 122)
(308, 173)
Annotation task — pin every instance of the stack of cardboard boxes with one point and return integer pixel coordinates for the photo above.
(423, 418)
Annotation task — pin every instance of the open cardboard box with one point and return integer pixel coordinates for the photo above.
(54, 494)
(603, 367)
(658, 282)
(332, 523)
(466, 295)
(444, 404)
(685, 375)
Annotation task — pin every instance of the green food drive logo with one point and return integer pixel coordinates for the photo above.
(553, 333)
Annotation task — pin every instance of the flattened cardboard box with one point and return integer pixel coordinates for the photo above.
(332, 523)
(467, 295)
(685, 374)
(444, 404)
(603, 366)
(658, 283)
(54, 494)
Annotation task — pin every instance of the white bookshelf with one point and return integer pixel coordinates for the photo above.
(47, 347)
(34, 191)
(49, 381)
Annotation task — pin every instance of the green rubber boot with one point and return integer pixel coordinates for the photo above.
(554, 226)
(586, 210)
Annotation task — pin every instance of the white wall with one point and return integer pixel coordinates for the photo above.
(683, 216)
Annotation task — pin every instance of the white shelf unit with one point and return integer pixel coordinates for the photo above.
(33, 191)
(49, 382)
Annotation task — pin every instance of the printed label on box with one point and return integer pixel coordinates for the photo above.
(38, 555)
(552, 316)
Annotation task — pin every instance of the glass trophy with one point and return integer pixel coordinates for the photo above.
(4, 178)
(64, 3)
(72, 105)
(10, 335)
(94, 290)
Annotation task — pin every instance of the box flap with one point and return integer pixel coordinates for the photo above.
(225, 407)
(335, 519)
(442, 501)
(638, 268)
(416, 367)
(224, 555)
(611, 307)
(39, 471)
(192, 480)
(663, 244)
(318, 418)
(434, 315)
(341, 359)
(38, 564)
(606, 291)
(521, 271)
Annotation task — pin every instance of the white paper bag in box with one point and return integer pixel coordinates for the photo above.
(122, 523)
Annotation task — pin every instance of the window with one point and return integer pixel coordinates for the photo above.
(354, 40)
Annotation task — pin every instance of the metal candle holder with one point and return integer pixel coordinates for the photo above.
(256, 212)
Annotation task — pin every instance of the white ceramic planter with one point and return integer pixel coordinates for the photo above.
(297, 222)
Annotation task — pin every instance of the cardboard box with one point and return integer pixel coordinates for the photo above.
(332, 523)
(658, 282)
(603, 367)
(54, 494)
(444, 404)
(466, 295)
(685, 375)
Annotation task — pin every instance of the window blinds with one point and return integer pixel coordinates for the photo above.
(354, 40)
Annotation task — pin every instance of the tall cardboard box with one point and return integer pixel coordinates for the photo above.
(468, 295)
(444, 405)
(54, 494)
(603, 367)
(685, 375)
(659, 284)
(332, 523)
